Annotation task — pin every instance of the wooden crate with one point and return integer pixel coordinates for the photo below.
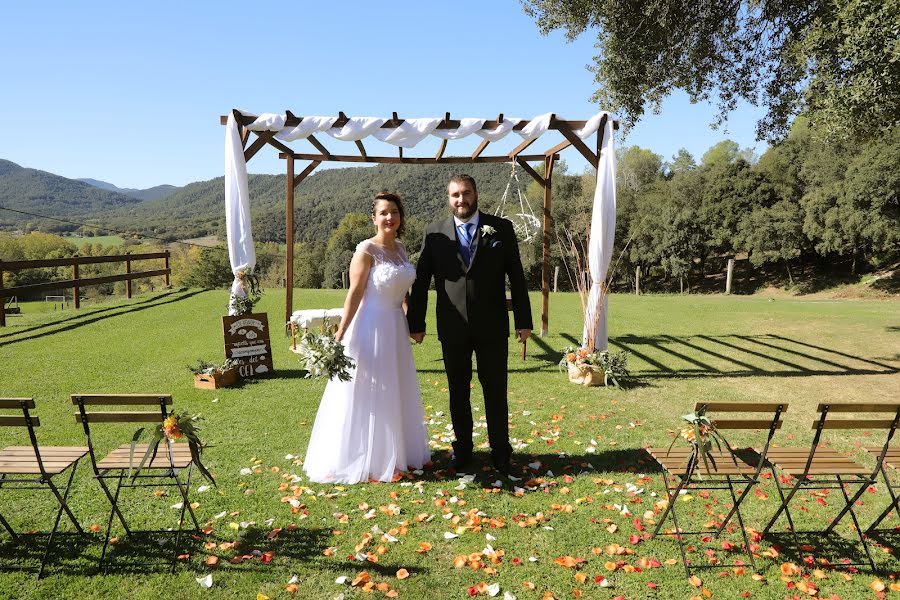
(218, 379)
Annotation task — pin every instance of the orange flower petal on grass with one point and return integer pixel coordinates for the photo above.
(789, 569)
(695, 581)
(402, 574)
(424, 547)
(877, 585)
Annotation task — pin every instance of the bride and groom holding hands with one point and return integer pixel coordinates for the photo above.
(372, 427)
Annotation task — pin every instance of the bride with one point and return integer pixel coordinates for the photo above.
(373, 427)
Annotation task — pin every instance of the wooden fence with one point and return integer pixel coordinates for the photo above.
(78, 282)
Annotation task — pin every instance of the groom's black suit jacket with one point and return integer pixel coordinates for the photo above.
(471, 303)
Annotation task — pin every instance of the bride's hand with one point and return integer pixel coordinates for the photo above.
(339, 335)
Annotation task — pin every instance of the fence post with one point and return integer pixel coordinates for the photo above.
(728, 276)
(556, 278)
(127, 281)
(168, 270)
(2, 299)
(637, 280)
(75, 300)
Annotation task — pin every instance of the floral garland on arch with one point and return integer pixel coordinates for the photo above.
(249, 282)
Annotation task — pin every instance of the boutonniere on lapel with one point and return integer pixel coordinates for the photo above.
(487, 230)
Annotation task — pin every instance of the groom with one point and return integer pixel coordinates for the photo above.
(470, 254)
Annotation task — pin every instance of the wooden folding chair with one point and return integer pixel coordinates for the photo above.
(118, 465)
(34, 467)
(891, 460)
(725, 470)
(823, 468)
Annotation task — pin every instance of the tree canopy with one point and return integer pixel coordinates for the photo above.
(836, 60)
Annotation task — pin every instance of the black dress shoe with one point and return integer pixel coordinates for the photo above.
(504, 467)
(459, 463)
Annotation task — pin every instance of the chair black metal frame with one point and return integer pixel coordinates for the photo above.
(722, 474)
(34, 467)
(892, 460)
(161, 471)
(819, 468)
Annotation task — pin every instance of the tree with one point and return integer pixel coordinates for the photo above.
(682, 162)
(836, 60)
(352, 229)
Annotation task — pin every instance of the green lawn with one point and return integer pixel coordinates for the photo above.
(588, 443)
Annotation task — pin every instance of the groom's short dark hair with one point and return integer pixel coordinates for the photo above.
(462, 177)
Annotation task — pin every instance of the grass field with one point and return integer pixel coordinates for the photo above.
(588, 443)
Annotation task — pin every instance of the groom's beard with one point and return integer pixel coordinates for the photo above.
(464, 212)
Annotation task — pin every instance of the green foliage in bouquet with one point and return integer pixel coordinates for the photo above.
(173, 428)
(702, 434)
(323, 356)
(613, 364)
(201, 367)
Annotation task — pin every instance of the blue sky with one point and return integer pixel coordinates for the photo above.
(131, 93)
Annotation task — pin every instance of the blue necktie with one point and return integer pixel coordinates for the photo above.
(465, 242)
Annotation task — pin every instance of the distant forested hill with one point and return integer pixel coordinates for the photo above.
(320, 201)
(43, 193)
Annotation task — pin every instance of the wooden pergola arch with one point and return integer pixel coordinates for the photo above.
(321, 154)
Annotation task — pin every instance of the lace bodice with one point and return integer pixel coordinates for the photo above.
(391, 275)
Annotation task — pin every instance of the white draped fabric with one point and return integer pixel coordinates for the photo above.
(241, 252)
(600, 246)
(407, 135)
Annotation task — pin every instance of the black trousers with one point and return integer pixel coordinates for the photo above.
(492, 373)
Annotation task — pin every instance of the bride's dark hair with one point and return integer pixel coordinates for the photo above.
(389, 197)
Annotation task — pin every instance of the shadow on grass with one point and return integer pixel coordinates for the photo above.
(531, 469)
(146, 551)
(93, 316)
(66, 555)
(838, 551)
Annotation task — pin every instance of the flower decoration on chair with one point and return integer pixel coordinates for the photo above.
(701, 433)
(323, 356)
(249, 280)
(173, 428)
(613, 365)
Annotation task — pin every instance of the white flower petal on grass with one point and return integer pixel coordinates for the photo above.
(246, 471)
(202, 488)
(490, 538)
(532, 559)
(534, 465)
(342, 580)
(461, 486)
(178, 506)
(205, 582)
(509, 596)
(294, 579)
(493, 589)
(220, 515)
(497, 484)
(449, 536)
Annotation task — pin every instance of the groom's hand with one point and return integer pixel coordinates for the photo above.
(523, 334)
(417, 337)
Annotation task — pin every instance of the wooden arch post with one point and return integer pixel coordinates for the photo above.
(291, 181)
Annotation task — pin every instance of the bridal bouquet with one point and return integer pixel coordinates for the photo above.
(323, 356)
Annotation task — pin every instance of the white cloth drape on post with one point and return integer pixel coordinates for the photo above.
(603, 232)
(241, 252)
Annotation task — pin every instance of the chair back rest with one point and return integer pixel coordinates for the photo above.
(888, 413)
(772, 423)
(23, 418)
(87, 413)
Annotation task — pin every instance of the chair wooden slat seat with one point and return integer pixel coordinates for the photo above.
(120, 458)
(675, 461)
(35, 466)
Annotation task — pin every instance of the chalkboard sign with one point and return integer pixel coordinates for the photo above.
(247, 344)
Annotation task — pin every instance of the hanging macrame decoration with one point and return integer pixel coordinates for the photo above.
(525, 223)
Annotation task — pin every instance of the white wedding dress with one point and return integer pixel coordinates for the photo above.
(373, 426)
